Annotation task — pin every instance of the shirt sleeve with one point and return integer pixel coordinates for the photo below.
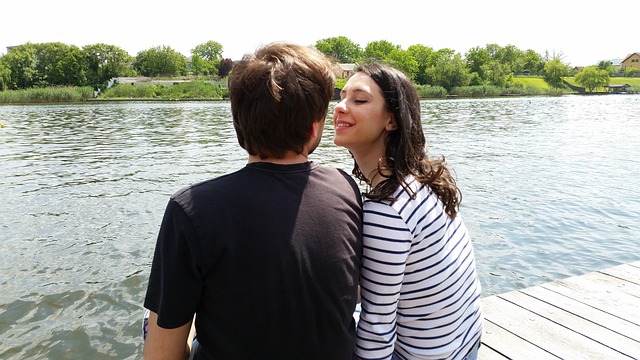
(386, 246)
(175, 282)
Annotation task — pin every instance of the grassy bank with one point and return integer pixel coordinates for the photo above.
(58, 94)
(521, 86)
(529, 86)
(185, 90)
(633, 82)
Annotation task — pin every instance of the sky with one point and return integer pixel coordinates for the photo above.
(580, 32)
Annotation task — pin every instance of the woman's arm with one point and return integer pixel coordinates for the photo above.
(386, 245)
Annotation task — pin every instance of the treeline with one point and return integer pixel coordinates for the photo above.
(492, 66)
(489, 67)
(56, 64)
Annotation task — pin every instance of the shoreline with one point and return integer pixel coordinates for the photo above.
(448, 97)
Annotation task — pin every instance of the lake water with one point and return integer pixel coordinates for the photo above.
(551, 189)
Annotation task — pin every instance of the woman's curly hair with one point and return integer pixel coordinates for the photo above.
(405, 152)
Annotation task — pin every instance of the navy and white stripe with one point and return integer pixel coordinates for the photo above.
(419, 287)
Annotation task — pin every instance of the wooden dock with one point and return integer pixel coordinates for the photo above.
(594, 316)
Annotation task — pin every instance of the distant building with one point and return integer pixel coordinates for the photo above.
(632, 61)
(346, 70)
(617, 63)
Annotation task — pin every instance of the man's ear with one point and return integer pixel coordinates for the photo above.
(391, 124)
(316, 128)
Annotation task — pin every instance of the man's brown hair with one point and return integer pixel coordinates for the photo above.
(276, 94)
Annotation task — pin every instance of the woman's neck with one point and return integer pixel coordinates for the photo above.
(368, 165)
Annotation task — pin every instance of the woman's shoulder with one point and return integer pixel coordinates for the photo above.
(414, 196)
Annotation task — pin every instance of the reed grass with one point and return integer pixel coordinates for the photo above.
(54, 94)
(185, 90)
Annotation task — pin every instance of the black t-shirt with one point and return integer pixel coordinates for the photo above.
(267, 257)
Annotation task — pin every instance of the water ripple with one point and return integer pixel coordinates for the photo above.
(551, 188)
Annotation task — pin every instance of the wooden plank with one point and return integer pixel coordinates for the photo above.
(599, 334)
(582, 310)
(544, 333)
(609, 282)
(498, 343)
(593, 316)
(626, 272)
(487, 353)
(599, 295)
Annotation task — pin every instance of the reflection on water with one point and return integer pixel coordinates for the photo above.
(550, 190)
(550, 185)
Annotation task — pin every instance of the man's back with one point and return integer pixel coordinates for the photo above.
(266, 258)
(277, 251)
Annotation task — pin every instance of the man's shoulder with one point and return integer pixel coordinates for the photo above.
(209, 185)
(334, 171)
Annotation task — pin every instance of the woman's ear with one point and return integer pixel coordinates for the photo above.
(391, 124)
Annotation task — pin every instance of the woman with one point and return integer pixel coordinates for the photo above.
(419, 287)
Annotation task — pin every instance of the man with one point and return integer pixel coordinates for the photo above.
(267, 258)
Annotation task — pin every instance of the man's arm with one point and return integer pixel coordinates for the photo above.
(169, 344)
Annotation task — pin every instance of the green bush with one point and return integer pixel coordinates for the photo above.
(431, 92)
(495, 91)
(54, 94)
(477, 91)
(128, 91)
(185, 90)
(193, 90)
(634, 89)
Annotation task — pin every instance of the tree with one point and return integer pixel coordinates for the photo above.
(493, 64)
(592, 77)
(200, 66)
(508, 56)
(5, 76)
(402, 59)
(209, 51)
(104, 62)
(206, 57)
(554, 71)
(494, 73)
(160, 61)
(225, 67)
(340, 48)
(553, 55)
(379, 50)
(21, 62)
(45, 64)
(448, 70)
(422, 55)
(533, 63)
(59, 64)
(476, 58)
(607, 66)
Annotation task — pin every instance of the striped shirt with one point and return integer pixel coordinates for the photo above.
(419, 287)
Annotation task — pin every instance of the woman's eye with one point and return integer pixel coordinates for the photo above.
(360, 101)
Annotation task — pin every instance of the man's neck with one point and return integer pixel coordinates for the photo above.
(289, 159)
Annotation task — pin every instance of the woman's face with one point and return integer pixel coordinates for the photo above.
(360, 119)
